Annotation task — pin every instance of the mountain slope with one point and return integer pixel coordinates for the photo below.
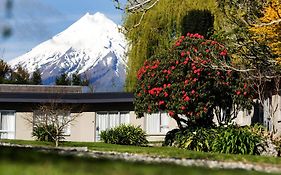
(93, 47)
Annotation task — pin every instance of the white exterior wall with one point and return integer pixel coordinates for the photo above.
(83, 129)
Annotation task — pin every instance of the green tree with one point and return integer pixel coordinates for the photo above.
(63, 80)
(20, 76)
(4, 71)
(36, 77)
(162, 24)
(76, 80)
(190, 82)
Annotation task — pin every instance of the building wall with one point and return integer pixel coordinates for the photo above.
(23, 126)
(83, 129)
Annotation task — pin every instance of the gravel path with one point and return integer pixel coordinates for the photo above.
(84, 152)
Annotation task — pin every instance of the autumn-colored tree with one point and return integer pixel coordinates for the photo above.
(191, 82)
(268, 28)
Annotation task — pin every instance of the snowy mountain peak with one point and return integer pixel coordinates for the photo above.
(92, 46)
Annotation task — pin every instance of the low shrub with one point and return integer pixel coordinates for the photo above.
(231, 139)
(43, 133)
(124, 135)
(196, 139)
(237, 140)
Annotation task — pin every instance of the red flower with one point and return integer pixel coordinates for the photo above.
(171, 113)
(169, 85)
(182, 54)
(245, 93)
(161, 103)
(166, 94)
(183, 108)
(177, 62)
(193, 92)
(187, 98)
(173, 67)
(178, 44)
(245, 86)
(238, 92)
(169, 72)
(223, 53)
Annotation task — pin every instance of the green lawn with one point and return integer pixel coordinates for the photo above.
(162, 151)
(24, 161)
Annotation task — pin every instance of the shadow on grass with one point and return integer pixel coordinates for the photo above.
(15, 160)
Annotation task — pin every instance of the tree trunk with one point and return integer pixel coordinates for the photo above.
(176, 117)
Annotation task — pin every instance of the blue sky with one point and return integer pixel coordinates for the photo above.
(34, 21)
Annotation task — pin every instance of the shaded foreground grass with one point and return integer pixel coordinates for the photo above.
(25, 161)
(160, 151)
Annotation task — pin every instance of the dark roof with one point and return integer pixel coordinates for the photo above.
(69, 98)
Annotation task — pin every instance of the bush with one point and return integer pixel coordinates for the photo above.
(231, 139)
(237, 140)
(124, 135)
(44, 134)
(196, 139)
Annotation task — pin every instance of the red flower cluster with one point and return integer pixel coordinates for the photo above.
(155, 91)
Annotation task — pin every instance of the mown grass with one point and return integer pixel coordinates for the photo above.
(160, 151)
(25, 161)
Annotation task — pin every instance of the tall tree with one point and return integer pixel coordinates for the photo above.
(267, 29)
(4, 71)
(36, 77)
(20, 76)
(161, 25)
(63, 80)
(76, 79)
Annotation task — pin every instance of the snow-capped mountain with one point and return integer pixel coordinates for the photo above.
(92, 46)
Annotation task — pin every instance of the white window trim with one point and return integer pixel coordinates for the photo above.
(161, 126)
(8, 131)
(97, 137)
(67, 130)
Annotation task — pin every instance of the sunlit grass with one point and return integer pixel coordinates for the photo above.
(160, 151)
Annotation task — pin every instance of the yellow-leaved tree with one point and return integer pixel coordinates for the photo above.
(268, 29)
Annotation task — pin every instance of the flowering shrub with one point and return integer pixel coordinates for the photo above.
(192, 79)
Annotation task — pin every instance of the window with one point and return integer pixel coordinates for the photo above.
(7, 124)
(106, 120)
(157, 123)
(62, 116)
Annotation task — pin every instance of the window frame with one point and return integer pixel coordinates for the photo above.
(7, 131)
(67, 129)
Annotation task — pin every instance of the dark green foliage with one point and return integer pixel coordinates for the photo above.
(36, 77)
(237, 140)
(229, 140)
(76, 79)
(63, 80)
(198, 21)
(4, 71)
(44, 133)
(170, 137)
(124, 135)
(20, 76)
(196, 139)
